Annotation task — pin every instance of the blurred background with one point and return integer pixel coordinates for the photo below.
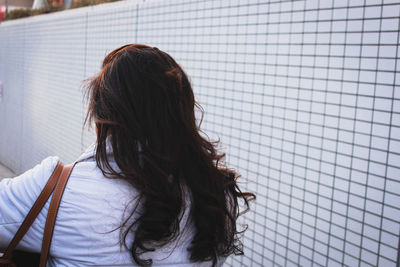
(304, 96)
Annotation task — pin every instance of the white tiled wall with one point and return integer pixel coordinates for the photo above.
(304, 96)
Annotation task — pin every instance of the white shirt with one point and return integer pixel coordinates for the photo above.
(91, 208)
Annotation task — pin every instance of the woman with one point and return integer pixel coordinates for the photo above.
(151, 190)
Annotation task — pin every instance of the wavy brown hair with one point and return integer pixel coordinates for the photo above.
(143, 102)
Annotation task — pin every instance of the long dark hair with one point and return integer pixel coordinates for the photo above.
(143, 102)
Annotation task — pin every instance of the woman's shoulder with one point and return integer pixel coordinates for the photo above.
(27, 186)
(17, 196)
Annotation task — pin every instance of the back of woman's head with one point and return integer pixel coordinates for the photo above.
(142, 101)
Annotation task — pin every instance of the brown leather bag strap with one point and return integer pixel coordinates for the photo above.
(34, 211)
(52, 213)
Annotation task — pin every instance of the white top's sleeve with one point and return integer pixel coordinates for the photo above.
(17, 196)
